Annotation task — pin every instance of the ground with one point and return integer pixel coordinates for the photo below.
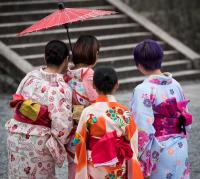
(191, 91)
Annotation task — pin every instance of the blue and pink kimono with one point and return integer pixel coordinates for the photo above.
(160, 111)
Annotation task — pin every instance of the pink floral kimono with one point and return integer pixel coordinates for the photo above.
(40, 126)
(106, 140)
(81, 82)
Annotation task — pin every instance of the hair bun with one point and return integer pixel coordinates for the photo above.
(53, 55)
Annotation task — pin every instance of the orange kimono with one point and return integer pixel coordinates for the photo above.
(106, 142)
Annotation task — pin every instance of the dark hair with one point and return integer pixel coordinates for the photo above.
(149, 54)
(105, 79)
(55, 52)
(85, 50)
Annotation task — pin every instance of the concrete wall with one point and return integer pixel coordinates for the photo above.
(180, 18)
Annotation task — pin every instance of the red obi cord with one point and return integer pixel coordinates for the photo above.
(42, 117)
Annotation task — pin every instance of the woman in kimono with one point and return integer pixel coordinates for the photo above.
(42, 118)
(106, 136)
(80, 79)
(160, 111)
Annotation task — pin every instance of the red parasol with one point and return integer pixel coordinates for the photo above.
(65, 16)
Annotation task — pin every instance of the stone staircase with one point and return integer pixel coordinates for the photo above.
(117, 33)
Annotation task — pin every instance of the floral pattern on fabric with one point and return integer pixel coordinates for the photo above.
(102, 131)
(46, 144)
(119, 116)
(163, 156)
(81, 82)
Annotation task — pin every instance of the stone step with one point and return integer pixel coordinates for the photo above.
(106, 40)
(16, 27)
(36, 14)
(131, 82)
(126, 49)
(46, 4)
(119, 61)
(60, 33)
(169, 66)
(38, 59)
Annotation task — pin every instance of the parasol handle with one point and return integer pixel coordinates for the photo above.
(61, 7)
(67, 28)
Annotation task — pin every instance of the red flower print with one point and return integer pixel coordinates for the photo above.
(61, 133)
(27, 136)
(27, 170)
(120, 111)
(53, 92)
(40, 164)
(40, 142)
(124, 176)
(14, 127)
(51, 98)
(43, 89)
(31, 154)
(119, 173)
(48, 165)
(12, 157)
(143, 138)
(51, 106)
(62, 90)
(108, 114)
(62, 101)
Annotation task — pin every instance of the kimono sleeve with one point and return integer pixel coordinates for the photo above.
(141, 108)
(183, 98)
(134, 170)
(88, 84)
(80, 140)
(61, 126)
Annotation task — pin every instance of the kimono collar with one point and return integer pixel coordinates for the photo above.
(106, 98)
(51, 77)
(162, 79)
(78, 73)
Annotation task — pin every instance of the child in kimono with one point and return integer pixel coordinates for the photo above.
(80, 79)
(106, 136)
(42, 118)
(160, 111)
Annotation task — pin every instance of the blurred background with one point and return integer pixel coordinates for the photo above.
(174, 24)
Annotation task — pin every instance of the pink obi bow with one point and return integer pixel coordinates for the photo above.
(30, 112)
(171, 117)
(109, 150)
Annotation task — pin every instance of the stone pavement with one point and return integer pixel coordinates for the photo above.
(191, 90)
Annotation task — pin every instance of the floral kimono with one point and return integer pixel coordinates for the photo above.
(40, 126)
(81, 82)
(160, 111)
(106, 142)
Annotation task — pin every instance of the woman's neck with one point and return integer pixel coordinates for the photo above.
(155, 72)
(51, 69)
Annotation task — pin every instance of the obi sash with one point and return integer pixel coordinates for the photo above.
(29, 112)
(109, 150)
(171, 117)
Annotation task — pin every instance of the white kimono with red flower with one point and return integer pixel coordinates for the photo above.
(33, 150)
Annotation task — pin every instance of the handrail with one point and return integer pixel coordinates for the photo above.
(12, 63)
(176, 44)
